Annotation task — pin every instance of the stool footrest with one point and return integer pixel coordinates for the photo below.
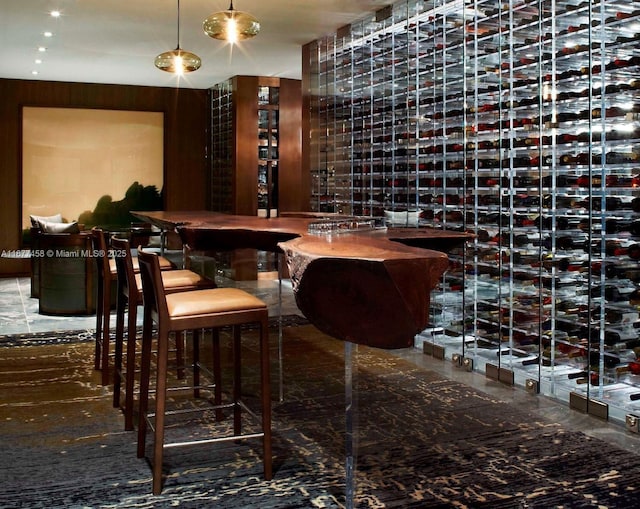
(223, 406)
(230, 438)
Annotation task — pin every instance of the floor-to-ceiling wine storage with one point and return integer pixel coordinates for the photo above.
(517, 121)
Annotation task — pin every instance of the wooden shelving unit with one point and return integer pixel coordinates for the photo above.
(256, 145)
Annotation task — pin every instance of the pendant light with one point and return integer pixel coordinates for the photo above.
(178, 61)
(231, 25)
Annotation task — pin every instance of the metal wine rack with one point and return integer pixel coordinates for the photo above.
(518, 121)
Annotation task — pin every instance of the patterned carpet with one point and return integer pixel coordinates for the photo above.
(74, 336)
(423, 441)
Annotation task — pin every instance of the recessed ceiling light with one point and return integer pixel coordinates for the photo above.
(48, 34)
(42, 49)
(34, 72)
(55, 14)
(38, 61)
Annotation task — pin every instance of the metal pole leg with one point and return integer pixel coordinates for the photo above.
(351, 419)
(279, 260)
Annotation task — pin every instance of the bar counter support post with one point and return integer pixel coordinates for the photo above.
(279, 260)
(351, 419)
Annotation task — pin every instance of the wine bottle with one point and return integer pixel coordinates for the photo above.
(561, 201)
(633, 251)
(619, 181)
(618, 336)
(610, 360)
(566, 138)
(634, 368)
(617, 225)
(614, 293)
(620, 270)
(610, 203)
(569, 242)
(572, 265)
(619, 203)
(615, 247)
(525, 200)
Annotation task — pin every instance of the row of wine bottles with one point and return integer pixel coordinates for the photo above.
(520, 161)
(530, 141)
(380, 107)
(568, 97)
(569, 87)
(580, 180)
(577, 203)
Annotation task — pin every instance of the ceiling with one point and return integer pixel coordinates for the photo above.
(116, 41)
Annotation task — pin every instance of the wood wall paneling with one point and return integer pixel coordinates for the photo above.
(291, 181)
(186, 113)
(245, 128)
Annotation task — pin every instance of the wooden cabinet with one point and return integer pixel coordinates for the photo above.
(256, 143)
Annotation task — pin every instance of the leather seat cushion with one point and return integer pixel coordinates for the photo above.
(165, 264)
(172, 279)
(216, 300)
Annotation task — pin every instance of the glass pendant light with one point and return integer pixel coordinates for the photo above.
(178, 61)
(231, 25)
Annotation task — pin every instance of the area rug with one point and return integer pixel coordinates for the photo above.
(422, 441)
(76, 335)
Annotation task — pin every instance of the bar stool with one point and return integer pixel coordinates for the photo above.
(195, 310)
(105, 274)
(129, 297)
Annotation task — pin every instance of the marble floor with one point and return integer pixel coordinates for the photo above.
(19, 311)
(19, 314)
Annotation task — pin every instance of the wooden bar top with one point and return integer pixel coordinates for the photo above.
(367, 286)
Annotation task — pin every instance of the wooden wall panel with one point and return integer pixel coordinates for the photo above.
(293, 196)
(186, 125)
(245, 158)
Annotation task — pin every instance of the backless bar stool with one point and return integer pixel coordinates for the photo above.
(106, 273)
(129, 297)
(195, 310)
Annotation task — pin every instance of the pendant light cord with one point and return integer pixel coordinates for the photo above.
(178, 24)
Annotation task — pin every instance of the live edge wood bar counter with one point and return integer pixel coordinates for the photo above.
(369, 287)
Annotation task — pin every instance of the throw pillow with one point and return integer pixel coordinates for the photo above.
(57, 218)
(49, 227)
(402, 218)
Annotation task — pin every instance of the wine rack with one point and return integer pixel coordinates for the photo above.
(268, 99)
(256, 145)
(518, 121)
(221, 148)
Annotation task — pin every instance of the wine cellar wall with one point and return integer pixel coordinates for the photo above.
(518, 121)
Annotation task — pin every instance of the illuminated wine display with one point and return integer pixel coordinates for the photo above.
(518, 121)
